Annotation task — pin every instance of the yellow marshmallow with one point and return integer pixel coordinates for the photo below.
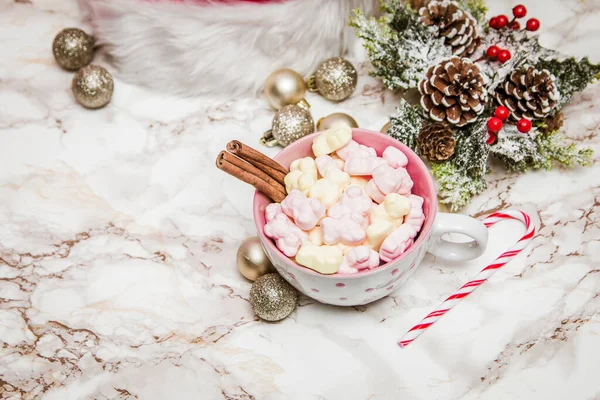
(323, 259)
(315, 236)
(377, 232)
(331, 140)
(302, 175)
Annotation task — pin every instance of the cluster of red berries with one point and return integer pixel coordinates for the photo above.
(496, 53)
(501, 21)
(496, 122)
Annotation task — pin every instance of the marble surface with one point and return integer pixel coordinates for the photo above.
(118, 236)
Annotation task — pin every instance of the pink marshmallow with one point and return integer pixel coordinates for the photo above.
(362, 257)
(362, 165)
(353, 149)
(391, 180)
(397, 242)
(373, 192)
(348, 230)
(287, 236)
(272, 211)
(394, 157)
(353, 200)
(306, 212)
(324, 162)
(415, 217)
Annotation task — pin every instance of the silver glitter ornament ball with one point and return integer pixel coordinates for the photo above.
(291, 123)
(73, 48)
(92, 86)
(335, 79)
(272, 298)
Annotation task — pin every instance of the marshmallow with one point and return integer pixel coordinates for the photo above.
(302, 175)
(390, 180)
(323, 259)
(331, 140)
(287, 236)
(362, 165)
(315, 236)
(359, 258)
(343, 248)
(272, 211)
(359, 181)
(394, 157)
(377, 232)
(373, 192)
(353, 201)
(397, 242)
(328, 190)
(347, 230)
(415, 217)
(393, 209)
(305, 212)
(324, 162)
(354, 149)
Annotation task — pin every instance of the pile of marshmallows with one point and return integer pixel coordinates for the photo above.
(347, 209)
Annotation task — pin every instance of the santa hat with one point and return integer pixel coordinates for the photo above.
(219, 46)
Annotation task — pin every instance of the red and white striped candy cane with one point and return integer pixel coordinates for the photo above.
(485, 273)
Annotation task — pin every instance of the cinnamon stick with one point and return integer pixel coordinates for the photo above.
(252, 170)
(224, 163)
(258, 159)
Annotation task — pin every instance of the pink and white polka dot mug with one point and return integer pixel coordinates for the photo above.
(371, 285)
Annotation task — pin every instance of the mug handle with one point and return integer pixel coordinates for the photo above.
(457, 223)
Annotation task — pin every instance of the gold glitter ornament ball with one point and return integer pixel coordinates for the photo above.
(272, 298)
(336, 119)
(92, 86)
(73, 48)
(252, 261)
(291, 123)
(335, 79)
(284, 86)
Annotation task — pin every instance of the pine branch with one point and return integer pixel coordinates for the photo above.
(477, 8)
(406, 124)
(572, 75)
(455, 186)
(521, 152)
(399, 46)
(471, 152)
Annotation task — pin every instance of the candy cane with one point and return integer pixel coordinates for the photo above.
(485, 273)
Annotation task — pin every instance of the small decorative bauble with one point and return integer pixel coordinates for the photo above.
(335, 79)
(502, 112)
(272, 298)
(494, 124)
(252, 261)
(283, 87)
(92, 86)
(73, 48)
(532, 25)
(289, 124)
(336, 119)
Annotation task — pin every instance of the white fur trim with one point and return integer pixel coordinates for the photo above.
(186, 48)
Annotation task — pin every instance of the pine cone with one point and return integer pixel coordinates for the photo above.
(436, 142)
(455, 25)
(453, 91)
(528, 93)
(553, 123)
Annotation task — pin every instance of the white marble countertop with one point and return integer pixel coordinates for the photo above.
(118, 237)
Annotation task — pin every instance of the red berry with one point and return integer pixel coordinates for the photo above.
(494, 23)
(502, 113)
(491, 139)
(502, 21)
(533, 24)
(519, 11)
(504, 56)
(494, 124)
(524, 125)
(515, 25)
(492, 51)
